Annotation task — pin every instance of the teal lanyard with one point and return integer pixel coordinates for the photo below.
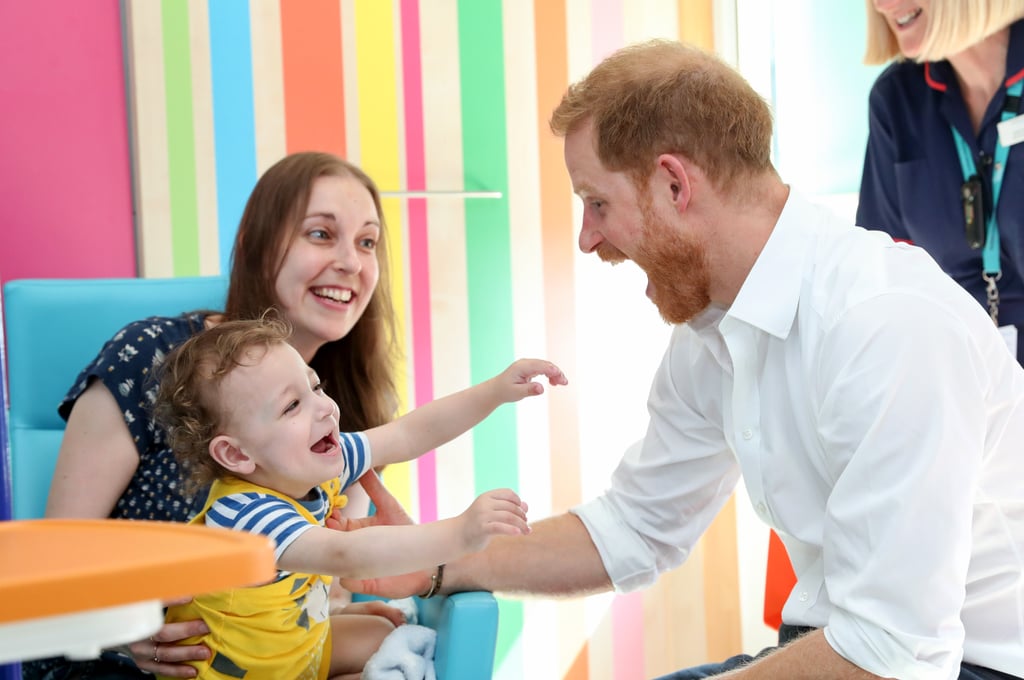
(991, 268)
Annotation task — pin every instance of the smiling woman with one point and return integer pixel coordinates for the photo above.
(114, 460)
(329, 263)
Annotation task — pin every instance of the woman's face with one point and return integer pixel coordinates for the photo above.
(908, 21)
(330, 269)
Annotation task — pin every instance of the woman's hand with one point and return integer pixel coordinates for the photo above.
(163, 654)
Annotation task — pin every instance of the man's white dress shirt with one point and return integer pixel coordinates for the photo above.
(877, 419)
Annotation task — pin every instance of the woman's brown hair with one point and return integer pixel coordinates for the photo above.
(358, 369)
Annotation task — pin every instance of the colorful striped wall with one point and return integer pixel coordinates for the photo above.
(440, 96)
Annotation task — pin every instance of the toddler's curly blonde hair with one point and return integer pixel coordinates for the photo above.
(188, 404)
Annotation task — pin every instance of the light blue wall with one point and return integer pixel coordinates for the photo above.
(820, 93)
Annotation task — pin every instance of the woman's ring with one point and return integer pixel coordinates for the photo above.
(156, 651)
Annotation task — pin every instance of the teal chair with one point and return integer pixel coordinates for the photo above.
(55, 326)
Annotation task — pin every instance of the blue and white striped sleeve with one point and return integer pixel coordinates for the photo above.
(356, 449)
(259, 514)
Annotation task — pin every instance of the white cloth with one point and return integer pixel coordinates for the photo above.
(407, 606)
(407, 653)
(878, 421)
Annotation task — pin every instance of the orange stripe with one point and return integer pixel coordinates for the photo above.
(696, 23)
(722, 585)
(558, 238)
(314, 100)
(580, 669)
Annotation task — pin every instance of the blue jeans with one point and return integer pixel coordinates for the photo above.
(967, 671)
(788, 633)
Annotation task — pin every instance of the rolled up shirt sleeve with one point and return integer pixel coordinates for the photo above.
(669, 486)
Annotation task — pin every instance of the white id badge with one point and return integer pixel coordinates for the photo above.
(1011, 131)
(1009, 334)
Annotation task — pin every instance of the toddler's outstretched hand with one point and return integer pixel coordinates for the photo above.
(516, 381)
(493, 513)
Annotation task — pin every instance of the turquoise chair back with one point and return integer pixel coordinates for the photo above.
(55, 327)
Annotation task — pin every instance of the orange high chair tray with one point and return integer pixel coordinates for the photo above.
(75, 586)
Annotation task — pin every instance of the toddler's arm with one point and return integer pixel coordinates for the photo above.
(444, 419)
(392, 550)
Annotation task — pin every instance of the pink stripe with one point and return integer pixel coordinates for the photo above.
(419, 272)
(628, 637)
(91, 133)
(606, 34)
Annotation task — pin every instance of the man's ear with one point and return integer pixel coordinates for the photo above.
(673, 180)
(226, 451)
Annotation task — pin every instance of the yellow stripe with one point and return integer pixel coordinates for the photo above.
(376, 74)
(202, 124)
(149, 138)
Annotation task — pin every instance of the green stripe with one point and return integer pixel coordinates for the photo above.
(181, 155)
(488, 254)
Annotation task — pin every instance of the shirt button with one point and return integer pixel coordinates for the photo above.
(747, 434)
(804, 596)
(762, 509)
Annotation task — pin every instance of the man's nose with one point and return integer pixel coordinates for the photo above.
(590, 238)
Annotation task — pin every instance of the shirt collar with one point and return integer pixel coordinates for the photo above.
(769, 296)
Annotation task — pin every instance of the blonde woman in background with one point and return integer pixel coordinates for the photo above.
(937, 171)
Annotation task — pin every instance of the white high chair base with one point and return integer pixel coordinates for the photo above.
(82, 635)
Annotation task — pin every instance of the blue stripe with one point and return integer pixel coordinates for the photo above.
(220, 519)
(270, 512)
(354, 445)
(234, 127)
(280, 538)
(235, 501)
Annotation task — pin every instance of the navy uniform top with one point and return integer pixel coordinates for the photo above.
(912, 176)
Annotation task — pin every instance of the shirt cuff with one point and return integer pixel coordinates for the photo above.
(630, 562)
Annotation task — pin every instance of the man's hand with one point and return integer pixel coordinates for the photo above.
(375, 608)
(391, 587)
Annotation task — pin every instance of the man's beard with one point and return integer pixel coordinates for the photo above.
(677, 268)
